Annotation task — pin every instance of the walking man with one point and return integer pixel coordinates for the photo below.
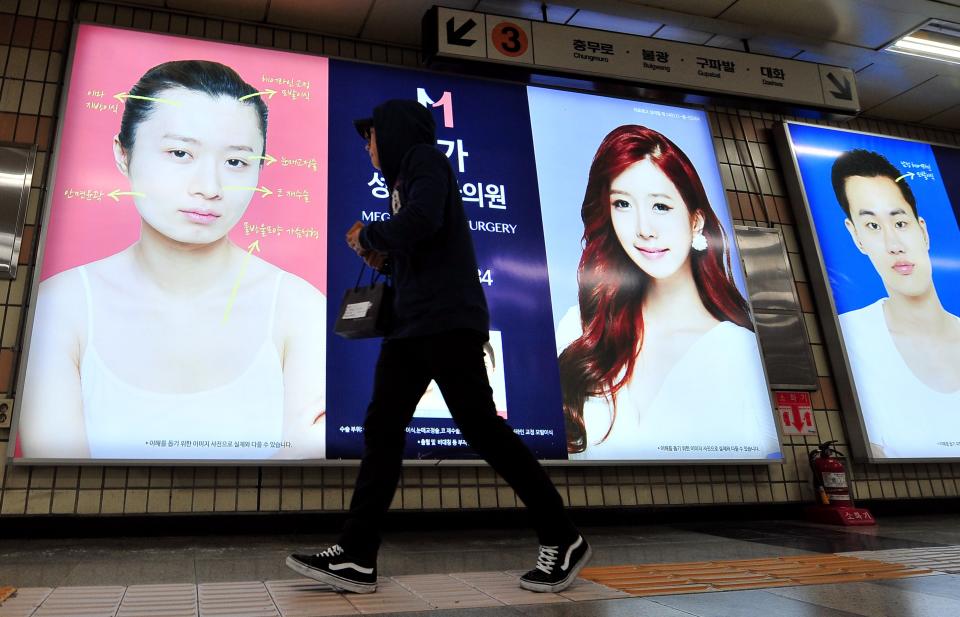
(440, 325)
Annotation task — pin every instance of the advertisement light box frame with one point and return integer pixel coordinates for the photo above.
(334, 294)
(812, 241)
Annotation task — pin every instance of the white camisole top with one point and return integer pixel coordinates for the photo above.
(242, 419)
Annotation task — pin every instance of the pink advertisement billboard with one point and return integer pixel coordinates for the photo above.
(180, 312)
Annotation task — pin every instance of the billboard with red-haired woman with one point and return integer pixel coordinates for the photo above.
(657, 348)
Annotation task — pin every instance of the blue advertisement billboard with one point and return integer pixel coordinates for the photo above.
(884, 213)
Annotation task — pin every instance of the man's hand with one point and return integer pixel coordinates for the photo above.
(353, 238)
(374, 259)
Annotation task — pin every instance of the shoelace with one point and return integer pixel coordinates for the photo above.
(333, 551)
(547, 558)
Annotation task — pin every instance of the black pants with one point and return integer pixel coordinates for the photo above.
(404, 369)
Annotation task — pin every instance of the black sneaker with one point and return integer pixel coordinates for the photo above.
(557, 566)
(337, 568)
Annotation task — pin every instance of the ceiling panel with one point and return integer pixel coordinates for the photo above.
(725, 42)
(684, 35)
(647, 12)
(527, 9)
(949, 118)
(840, 21)
(325, 16)
(881, 82)
(925, 100)
(837, 54)
(916, 63)
(940, 9)
(706, 8)
(614, 23)
(782, 47)
(398, 21)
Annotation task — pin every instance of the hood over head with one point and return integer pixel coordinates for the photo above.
(400, 124)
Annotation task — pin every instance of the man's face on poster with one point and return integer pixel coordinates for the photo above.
(885, 229)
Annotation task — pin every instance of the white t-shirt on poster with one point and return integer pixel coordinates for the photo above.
(714, 402)
(903, 415)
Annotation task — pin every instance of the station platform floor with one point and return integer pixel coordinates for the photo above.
(907, 566)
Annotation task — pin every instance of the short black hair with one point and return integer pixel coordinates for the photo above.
(204, 76)
(867, 164)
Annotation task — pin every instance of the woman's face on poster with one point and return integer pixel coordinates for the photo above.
(651, 219)
(191, 161)
(886, 230)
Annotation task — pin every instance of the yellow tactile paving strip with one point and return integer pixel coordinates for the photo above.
(703, 576)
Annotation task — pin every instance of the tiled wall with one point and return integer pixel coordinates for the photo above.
(34, 40)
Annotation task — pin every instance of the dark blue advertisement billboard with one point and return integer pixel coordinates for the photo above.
(484, 129)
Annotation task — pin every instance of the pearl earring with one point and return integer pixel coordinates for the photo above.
(699, 242)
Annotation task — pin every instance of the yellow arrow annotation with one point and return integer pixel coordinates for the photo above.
(909, 173)
(264, 191)
(269, 159)
(268, 93)
(254, 246)
(116, 193)
(123, 96)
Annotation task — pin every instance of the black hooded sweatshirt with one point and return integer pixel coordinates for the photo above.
(437, 288)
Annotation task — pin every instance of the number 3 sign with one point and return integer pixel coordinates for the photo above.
(509, 40)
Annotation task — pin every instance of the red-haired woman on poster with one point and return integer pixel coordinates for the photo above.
(659, 359)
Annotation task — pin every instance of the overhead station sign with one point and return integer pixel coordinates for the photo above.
(478, 36)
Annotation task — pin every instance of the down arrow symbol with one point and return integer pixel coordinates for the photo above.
(843, 91)
(455, 35)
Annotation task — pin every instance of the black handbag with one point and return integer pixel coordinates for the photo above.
(366, 312)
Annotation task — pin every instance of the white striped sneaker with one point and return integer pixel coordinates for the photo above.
(557, 566)
(337, 568)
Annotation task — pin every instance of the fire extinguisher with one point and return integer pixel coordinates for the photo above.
(830, 480)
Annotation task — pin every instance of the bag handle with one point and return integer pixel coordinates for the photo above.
(363, 266)
(374, 275)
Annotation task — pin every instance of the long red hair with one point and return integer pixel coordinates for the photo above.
(612, 287)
